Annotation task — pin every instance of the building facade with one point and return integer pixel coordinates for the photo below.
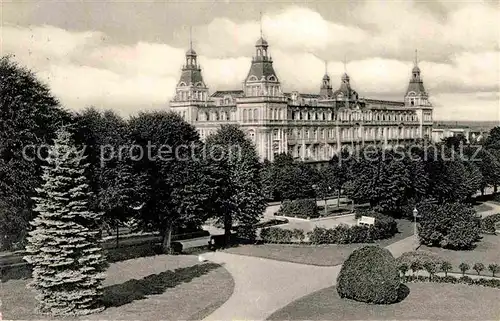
(312, 126)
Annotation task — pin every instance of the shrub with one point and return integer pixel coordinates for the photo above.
(303, 208)
(371, 275)
(452, 225)
(445, 267)
(494, 268)
(417, 260)
(464, 267)
(488, 224)
(276, 235)
(246, 232)
(478, 267)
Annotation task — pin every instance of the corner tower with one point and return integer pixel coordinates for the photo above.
(416, 94)
(191, 92)
(261, 79)
(191, 86)
(326, 91)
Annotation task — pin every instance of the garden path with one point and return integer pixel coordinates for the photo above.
(263, 286)
(495, 209)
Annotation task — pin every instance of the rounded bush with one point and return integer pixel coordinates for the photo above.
(371, 275)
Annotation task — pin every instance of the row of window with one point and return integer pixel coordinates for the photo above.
(250, 115)
(352, 133)
(349, 116)
(192, 95)
(259, 90)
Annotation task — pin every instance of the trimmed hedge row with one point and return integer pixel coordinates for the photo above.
(488, 224)
(280, 235)
(302, 208)
(384, 227)
(492, 283)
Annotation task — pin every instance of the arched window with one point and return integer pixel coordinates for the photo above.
(271, 78)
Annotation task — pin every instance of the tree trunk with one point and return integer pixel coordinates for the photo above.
(326, 208)
(338, 197)
(495, 187)
(117, 233)
(228, 224)
(167, 239)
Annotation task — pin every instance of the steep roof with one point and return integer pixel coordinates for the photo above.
(223, 93)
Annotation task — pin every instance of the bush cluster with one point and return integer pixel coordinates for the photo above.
(280, 235)
(449, 225)
(302, 208)
(370, 274)
(488, 224)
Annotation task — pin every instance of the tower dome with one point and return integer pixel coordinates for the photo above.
(191, 52)
(261, 43)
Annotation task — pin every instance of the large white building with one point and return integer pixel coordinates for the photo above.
(311, 127)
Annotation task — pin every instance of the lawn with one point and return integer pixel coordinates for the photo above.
(426, 301)
(151, 288)
(323, 255)
(487, 251)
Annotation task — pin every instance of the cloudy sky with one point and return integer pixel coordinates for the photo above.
(127, 55)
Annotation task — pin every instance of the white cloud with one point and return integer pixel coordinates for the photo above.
(82, 69)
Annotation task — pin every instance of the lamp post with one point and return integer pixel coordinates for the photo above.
(415, 214)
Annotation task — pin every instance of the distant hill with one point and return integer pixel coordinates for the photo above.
(482, 126)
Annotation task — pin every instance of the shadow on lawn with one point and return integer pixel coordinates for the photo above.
(120, 294)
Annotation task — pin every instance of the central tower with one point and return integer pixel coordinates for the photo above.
(261, 79)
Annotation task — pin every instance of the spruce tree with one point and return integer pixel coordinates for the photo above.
(64, 246)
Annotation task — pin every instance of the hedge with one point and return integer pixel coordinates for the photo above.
(384, 227)
(369, 274)
(488, 224)
(302, 208)
(493, 283)
(280, 235)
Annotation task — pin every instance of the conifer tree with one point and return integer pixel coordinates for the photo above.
(63, 248)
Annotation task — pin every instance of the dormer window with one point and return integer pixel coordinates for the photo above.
(271, 78)
(252, 78)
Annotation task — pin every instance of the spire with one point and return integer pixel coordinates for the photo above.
(345, 64)
(416, 57)
(260, 21)
(191, 37)
(326, 67)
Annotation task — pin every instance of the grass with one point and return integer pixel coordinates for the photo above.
(151, 288)
(322, 255)
(425, 302)
(487, 251)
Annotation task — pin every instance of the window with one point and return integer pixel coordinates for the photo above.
(245, 115)
(271, 78)
(255, 114)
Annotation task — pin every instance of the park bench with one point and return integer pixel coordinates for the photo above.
(182, 245)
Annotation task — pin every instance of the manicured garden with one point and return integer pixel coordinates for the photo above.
(425, 301)
(322, 255)
(151, 288)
